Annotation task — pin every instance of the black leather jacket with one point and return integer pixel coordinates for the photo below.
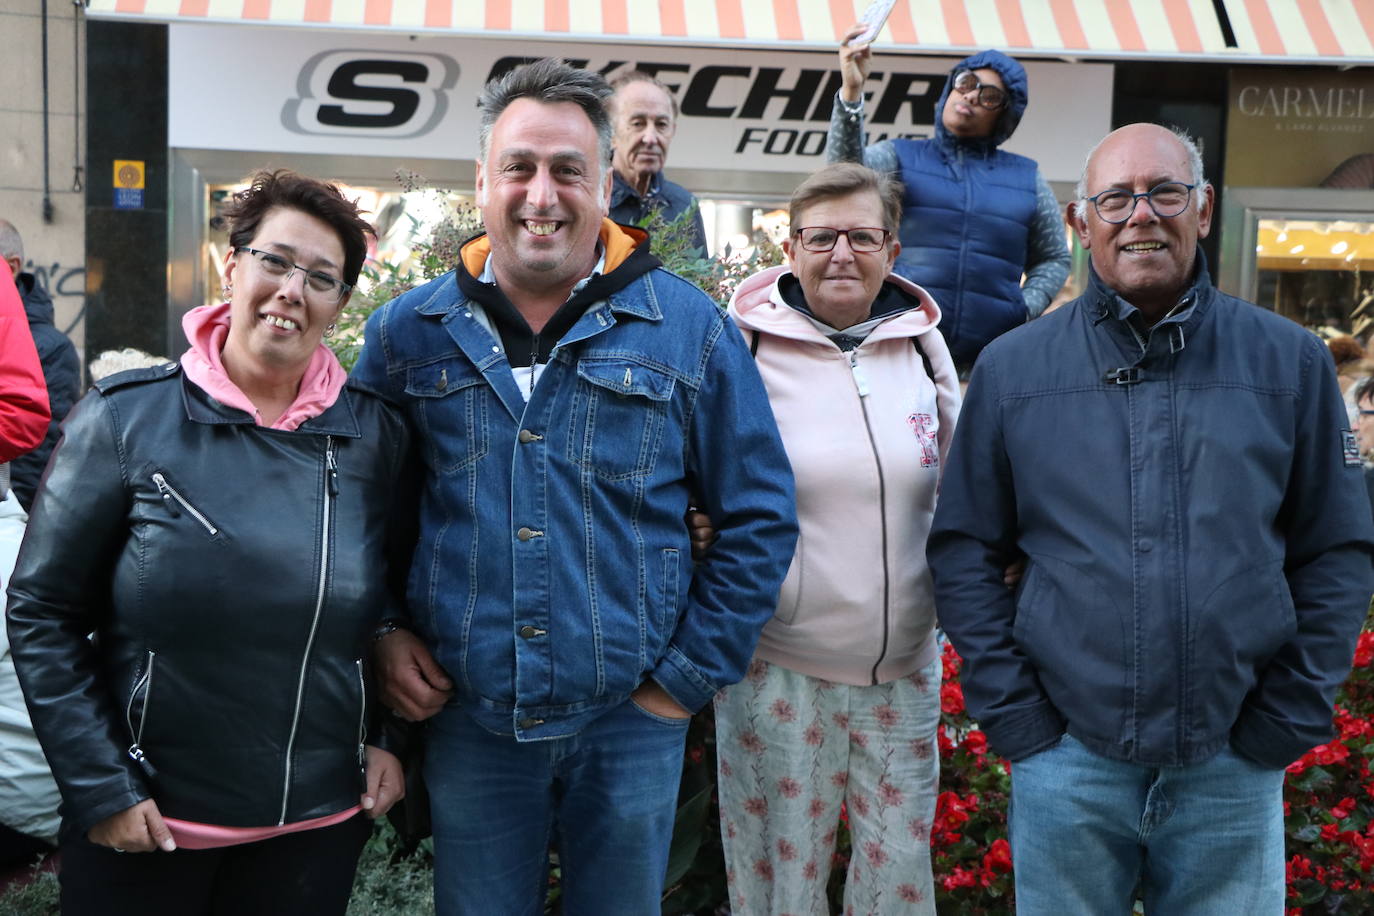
(231, 575)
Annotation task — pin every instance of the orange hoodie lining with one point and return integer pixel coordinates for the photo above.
(619, 242)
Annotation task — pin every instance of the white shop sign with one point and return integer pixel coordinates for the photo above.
(288, 90)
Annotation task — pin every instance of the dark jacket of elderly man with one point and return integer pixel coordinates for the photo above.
(1177, 469)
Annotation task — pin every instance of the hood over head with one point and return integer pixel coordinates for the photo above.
(37, 303)
(1018, 97)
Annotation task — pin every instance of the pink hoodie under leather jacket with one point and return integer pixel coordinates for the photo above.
(867, 433)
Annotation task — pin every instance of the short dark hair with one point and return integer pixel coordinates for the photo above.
(840, 179)
(1364, 388)
(639, 76)
(284, 189)
(549, 81)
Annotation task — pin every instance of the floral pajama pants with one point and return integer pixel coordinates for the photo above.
(791, 749)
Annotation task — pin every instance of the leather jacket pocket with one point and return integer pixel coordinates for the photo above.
(137, 709)
(450, 405)
(178, 505)
(618, 413)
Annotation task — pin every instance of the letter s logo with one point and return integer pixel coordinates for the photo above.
(383, 94)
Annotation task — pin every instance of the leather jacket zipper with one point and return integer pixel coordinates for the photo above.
(172, 499)
(861, 383)
(362, 726)
(144, 682)
(331, 489)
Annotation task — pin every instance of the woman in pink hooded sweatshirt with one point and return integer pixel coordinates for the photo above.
(223, 526)
(841, 702)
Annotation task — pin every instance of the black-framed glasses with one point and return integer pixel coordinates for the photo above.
(823, 238)
(327, 286)
(1366, 413)
(966, 81)
(1167, 199)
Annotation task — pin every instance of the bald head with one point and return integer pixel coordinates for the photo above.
(1146, 258)
(11, 246)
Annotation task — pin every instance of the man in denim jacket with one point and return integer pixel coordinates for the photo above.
(1177, 468)
(569, 397)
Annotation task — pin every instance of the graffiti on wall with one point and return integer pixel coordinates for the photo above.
(66, 286)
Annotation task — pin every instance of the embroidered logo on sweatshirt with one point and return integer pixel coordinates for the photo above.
(1351, 447)
(924, 426)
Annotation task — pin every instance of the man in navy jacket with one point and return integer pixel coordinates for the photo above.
(1177, 468)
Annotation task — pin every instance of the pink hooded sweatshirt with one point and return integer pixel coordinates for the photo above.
(206, 328)
(867, 433)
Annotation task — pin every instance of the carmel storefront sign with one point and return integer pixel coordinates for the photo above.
(1300, 128)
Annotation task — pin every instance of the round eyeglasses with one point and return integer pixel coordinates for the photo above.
(988, 96)
(326, 287)
(823, 238)
(1167, 199)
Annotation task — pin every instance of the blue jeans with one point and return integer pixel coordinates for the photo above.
(1199, 840)
(606, 796)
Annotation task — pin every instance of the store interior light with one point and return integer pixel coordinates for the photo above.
(1297, 249)
(1282, 237)
(1340, 247)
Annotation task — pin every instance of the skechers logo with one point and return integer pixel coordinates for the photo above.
(366, 93)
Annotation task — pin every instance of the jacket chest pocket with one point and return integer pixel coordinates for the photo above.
(450, 398)
(618, 412)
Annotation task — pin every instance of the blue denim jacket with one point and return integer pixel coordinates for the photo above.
(553, 571)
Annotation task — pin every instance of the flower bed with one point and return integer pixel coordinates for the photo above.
(1328, 809)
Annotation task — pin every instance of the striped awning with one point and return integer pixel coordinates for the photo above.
(1291, 31)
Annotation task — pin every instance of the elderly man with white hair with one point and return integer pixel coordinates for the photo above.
(1177, 469)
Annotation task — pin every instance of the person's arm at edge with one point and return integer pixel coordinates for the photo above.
(972, 540)
(409, 678)
(1330, 545)
(744, 482)
(72, 535)
(24, 412)
(1047, 252)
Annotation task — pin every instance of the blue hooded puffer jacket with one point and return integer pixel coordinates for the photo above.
(967, 211)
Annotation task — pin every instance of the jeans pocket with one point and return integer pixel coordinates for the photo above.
(671, 721)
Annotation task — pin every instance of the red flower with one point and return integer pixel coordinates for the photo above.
(1342, 809)
(951, 698)
(976, 743)
(1364, 649)
(998, 857)
(1334, 752)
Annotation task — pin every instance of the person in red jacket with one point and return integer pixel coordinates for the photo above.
(24, 410)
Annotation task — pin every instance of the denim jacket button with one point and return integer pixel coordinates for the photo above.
(525, 534)
(529, 632)
(530, 723)
(527, 437)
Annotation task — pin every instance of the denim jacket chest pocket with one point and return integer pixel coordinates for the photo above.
(618, 410)
(450, 404)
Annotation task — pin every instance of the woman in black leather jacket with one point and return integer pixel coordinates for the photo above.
(222, 526)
